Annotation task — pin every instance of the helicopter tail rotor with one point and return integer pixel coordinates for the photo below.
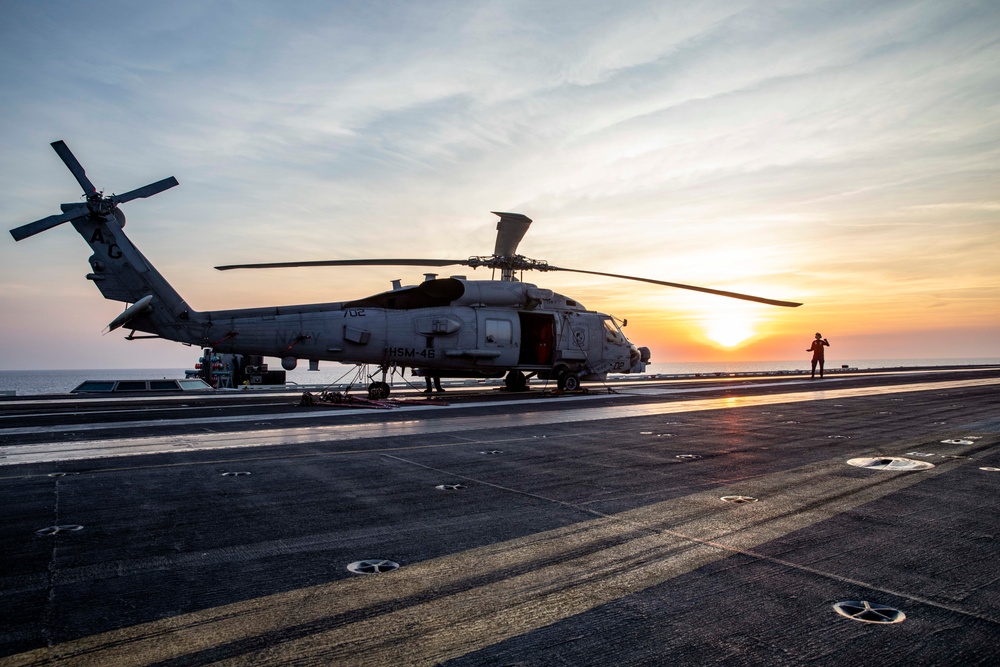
(74, 166)
(39, 226)
(145, 191)
(96, 204)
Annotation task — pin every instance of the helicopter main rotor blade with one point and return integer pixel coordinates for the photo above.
(347, 262)
(706, 290)
(146, 190)
(74, 165)
(511, 228)
(39, 226)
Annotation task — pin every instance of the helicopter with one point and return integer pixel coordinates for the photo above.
(446, 327)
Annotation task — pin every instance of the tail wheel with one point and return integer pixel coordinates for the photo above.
(568, 381)
(378, 390)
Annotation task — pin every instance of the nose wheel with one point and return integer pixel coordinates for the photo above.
(568, 381)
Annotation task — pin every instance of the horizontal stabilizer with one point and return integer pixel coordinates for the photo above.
(132, 312)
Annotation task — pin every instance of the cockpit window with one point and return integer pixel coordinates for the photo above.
(611, 332)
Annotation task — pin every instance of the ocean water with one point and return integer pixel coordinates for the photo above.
(33, 383)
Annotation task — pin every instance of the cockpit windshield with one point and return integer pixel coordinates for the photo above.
(612, 333)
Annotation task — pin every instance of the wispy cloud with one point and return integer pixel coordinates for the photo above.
(809, 150)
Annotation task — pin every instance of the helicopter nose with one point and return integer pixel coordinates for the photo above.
(638, 354)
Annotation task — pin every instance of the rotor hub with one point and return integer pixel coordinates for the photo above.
(101, 206)
(514, 263)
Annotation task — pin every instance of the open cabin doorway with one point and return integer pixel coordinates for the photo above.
(537, 339)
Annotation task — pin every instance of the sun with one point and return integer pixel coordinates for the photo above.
(728, 331)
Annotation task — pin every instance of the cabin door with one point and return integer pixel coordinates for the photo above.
(537, 339)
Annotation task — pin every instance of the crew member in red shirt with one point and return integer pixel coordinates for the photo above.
(817, 350)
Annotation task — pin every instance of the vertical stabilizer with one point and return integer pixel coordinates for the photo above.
(122, 273)
(117, 267)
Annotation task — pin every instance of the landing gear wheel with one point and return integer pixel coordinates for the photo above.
(515, 381)
(568, 382)
(378, 390)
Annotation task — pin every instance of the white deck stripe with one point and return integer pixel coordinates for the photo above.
(92, 449)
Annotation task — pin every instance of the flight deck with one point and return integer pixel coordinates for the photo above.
(732, 520)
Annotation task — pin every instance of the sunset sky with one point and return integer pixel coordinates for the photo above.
(841, 154)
